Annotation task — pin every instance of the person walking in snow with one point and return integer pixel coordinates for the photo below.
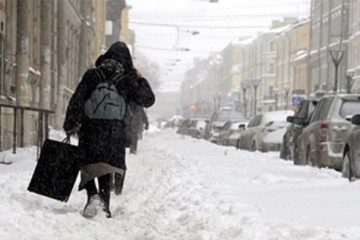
(97, 113)
(136, 126)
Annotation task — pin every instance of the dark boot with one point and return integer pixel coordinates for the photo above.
(93, 200)
(104, 184)
(91, 206)
(105, 203)
(119, 183)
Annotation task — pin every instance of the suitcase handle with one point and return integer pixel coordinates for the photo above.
(66, 140)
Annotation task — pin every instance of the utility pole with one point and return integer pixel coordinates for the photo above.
(22, 67)
(244, 86)
(45, 39)
(255, 83)
(336, 56)
(61, 60)
(22, 53)
(83, 53)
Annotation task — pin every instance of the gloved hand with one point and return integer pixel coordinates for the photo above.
(71, 132)
(146, 127)
(138, 74)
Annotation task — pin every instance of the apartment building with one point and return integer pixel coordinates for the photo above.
(329, 44)
(48, 46)
(291, 69)
(353, 71)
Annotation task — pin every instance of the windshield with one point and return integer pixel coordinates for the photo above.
(349, 108)
(227, 115)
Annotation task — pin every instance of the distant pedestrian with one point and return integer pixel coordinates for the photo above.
(136, 125)
(97, 112)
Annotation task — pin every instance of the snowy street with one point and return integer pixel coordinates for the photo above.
(183, 188)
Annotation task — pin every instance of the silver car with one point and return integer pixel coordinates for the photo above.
(218, 120)
(321, 142)
(351, 153)
(259, 126)
(293, 131)
(230, 133)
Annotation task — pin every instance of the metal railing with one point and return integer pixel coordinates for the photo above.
(43, 124)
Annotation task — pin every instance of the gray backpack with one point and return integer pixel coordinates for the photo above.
(105, 102)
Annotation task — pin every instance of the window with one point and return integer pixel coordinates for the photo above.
(272, 46)
(349, 108)
(321, 110)
(2, 65)
(271, 68)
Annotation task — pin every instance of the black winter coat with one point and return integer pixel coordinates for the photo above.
(103, 141)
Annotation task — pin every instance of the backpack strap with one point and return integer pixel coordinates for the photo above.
(100, 74)
(117, 78)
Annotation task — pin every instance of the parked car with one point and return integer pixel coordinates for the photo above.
(230, 133)
(322, 140)
(293, 131)
(197, 127)
(176, 120)
(218, 120)
(215, 130)
(184, 127)
(351, 153)
(275, 138)
(259, 126)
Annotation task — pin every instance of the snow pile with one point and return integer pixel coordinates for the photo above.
(182, 188)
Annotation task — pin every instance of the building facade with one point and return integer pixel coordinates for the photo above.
(45, 48)
(292, 78)
(328, 44)
(353, 71)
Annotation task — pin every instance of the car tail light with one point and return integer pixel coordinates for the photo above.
(324, 131)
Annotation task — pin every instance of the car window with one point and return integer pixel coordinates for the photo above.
(310, 109)
(227, 125)
(349, 107)
(302, 111)
(321, 110)
(252, 122)
(257, 120)
(299, 111)
(227, 115)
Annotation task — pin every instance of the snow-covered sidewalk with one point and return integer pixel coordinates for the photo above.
(182, 188)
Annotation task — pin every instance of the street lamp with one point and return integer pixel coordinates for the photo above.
(276, 98)
(244, 86)
(349, 80)
(255, 82)
(336, 56)
(286, 96)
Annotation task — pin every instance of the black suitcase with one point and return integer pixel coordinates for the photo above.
(56, 170)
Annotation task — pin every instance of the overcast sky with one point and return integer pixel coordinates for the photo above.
(165, 28)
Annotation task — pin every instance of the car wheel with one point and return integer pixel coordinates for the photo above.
(312, 158)
(299, 154)
(237, 143)
(285, 152)
(308, 156)
(346, 169)
(299, 157)
(253, 146)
